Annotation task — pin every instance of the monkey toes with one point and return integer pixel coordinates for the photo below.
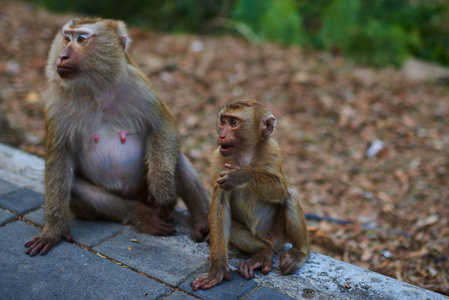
(291, 261)
(42, 244)
(210, 279)
(261, 261)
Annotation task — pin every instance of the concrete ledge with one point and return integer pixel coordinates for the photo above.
(21, 168)
(321, 278)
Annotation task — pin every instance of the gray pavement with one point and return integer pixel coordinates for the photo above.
(111, 261)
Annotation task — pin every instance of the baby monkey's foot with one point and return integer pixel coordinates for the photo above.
(210, 279)
(292, 260)
(261, 260)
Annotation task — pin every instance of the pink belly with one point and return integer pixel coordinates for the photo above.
(114, 162)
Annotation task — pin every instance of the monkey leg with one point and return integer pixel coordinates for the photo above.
(190, 188)
(91, 202)
(295, 225)
(242, 238)
(220, 225)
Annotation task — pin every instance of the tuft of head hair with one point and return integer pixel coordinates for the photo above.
(242, 104)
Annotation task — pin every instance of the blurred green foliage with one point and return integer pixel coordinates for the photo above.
(340, 23)
(375, 32)
(281, 22)
(169, 15)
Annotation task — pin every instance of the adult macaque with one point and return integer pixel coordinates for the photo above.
(252, 207)
(113, 149)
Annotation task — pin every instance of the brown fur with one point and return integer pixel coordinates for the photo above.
(113, 149)
(252, 207)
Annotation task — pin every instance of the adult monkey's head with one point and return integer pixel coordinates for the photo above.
(88, 54)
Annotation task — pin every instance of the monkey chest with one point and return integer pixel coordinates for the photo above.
(256, 214)
(114, 159)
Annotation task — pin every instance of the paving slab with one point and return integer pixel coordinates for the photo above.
(267, 293)
(22, 202)
(66, 272)
(236, 288)
(7, 187)
(86, 233)
(151, 257)
(179, 296)
(6, 217)
(37, 217)
(91, 233)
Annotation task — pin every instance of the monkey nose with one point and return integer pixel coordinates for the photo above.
(63, 57)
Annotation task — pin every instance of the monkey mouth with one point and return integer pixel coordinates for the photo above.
(226, 146)
(65, 72)
(226, 149)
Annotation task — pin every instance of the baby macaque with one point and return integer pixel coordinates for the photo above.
(252, 207)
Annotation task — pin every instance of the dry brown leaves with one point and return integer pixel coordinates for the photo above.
(329, 113)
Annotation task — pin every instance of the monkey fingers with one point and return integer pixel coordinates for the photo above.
(210, 279)
(201, 231)
(291, 261)
(152, 224)
(223, 177)
(165, 211)
(41, 245)
(229, 166)
(224, 181)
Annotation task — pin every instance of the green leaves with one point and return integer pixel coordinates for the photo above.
(272, 20)
(340, 21)
(282, 23)
(376, 33)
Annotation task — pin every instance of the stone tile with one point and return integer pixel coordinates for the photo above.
(267, 293)
(37, 217)
(235, 288)
(86, 233)
(152, 257)
(6, 217)
(91, 233)
(179, 296)
(7, 187)
(66, 272)
(22, 202)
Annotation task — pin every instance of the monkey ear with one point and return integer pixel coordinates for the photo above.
(123, 42)
(123, 36)
(268, 126)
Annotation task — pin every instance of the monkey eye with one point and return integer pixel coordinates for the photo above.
(234, 122)
(67, 38)
(81, 39)
(222, 121)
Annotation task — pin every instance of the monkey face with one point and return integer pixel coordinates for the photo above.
(76, 41)
(242, 125)
(229, 127)
(88, 54)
